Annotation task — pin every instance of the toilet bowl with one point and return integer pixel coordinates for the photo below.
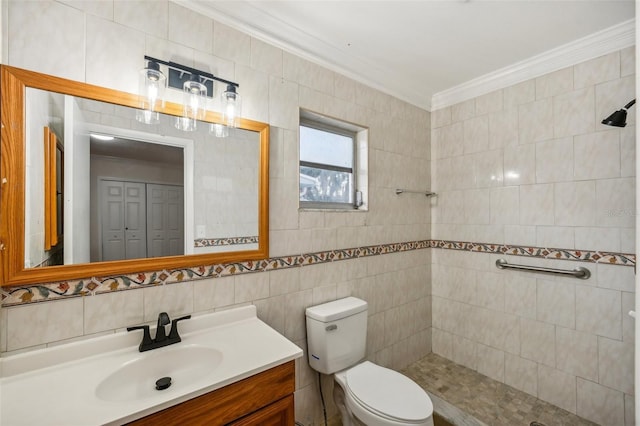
(365, 393)
(378, 396)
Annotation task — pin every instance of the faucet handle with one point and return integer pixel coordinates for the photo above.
(163, 319)
(173, 334)
(146, 338)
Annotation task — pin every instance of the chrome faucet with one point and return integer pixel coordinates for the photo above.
(161, 339)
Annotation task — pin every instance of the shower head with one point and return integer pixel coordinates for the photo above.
(619, 118)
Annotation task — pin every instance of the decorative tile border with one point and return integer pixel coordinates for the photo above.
(228, 241)
(20, 295)
(622, 259)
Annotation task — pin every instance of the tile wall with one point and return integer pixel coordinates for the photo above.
(532, 165)
(104, 42)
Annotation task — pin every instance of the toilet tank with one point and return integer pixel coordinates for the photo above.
(336, 334)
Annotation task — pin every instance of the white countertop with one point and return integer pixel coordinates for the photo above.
(57, 386)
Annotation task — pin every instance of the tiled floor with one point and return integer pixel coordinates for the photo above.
(477, 397)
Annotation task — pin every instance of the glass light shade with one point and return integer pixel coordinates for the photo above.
(231, 106)
(152, 83)
(219, 130)
(194, 104)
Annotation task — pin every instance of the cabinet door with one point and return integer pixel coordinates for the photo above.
(280, 413)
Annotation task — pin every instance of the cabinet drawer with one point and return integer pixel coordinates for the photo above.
(280, 413)
(229, 403)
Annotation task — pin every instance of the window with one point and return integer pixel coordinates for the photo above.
(329, 163)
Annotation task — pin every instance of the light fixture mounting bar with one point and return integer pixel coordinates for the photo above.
(179, 74)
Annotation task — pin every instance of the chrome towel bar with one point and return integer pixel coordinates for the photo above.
(427, 193)
(579, 272)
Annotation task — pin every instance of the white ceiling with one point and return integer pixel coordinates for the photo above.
(415, 49)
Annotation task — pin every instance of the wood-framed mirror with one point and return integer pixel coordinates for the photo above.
(153, 198)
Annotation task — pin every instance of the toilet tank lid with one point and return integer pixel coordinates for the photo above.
(338, 309)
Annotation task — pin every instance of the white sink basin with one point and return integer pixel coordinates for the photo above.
(136, 379)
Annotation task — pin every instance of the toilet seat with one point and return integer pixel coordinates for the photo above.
(387, 394)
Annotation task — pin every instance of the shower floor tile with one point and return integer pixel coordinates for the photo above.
(466, 397)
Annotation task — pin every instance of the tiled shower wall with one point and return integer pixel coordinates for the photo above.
(532, 165)
(104, 42)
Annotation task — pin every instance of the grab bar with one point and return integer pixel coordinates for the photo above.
(579, 272)
(427, 193)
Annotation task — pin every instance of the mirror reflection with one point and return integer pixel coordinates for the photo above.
(120, 189)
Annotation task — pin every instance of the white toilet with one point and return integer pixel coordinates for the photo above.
(364, 392)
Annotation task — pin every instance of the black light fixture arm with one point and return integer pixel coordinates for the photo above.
(630, 104)
(192, 71)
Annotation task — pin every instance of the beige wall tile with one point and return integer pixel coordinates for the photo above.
(555, 83)
(272, 311)
(106, 40)
(442, 343)
(213, 293)
(615, 364)
(187, 27)
(174, 299)
(573, 113)
(463, 111)
(598, 70)
(464, 352)
(505, 204)
(597, 155)
(521, 373)
(144, 16)
(112, 311)
(266, 58)
(231, 44)
(537, 204)
(520, 93)
(491, 290)
(615, 202)
(599, 404)
(575, 203)
(554, 160)
(520, 295)
(534, 119)
(520, 164)
(249, 287)
(476, 134)
(602, 239)
(556, 303)
(537, 335)
(32, 325)
(577, 353)
(31, 25)
(627, 61)
(440, 117)
(491, 362)
(555, 236)
(503, 128)
(598, 311)
(491, 102)
(557, 387)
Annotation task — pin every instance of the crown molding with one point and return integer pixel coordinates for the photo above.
(592, 46)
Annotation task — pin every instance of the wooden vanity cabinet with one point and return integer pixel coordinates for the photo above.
(265, 399)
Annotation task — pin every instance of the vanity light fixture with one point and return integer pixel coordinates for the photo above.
(219, 130)
(197, 85)
(151, 87)
(100, 137)
(619, 118)
(194, 104)
(231, 106)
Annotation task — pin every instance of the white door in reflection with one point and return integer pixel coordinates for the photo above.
(123, 220)
(140, 220)
(165, 220)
